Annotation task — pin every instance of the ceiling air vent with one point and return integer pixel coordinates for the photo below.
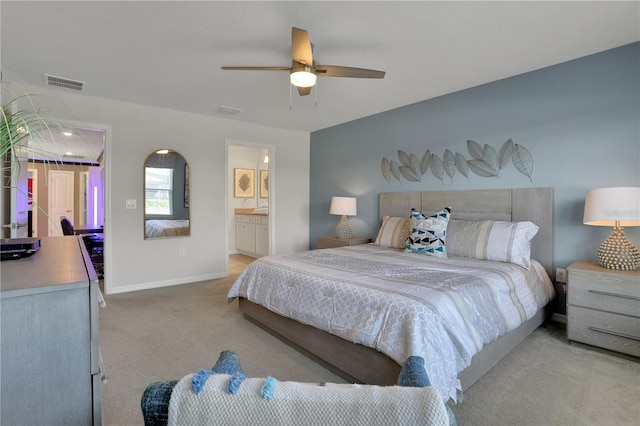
(52, 80)
(228, 111)
(74, 157)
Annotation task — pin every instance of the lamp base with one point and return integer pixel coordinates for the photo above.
(617, 252)
(343, 230)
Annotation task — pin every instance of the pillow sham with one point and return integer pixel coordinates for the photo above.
(428, 233)
(393, 232)
(508, 242)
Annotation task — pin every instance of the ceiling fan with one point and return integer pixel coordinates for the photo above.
(304, 70)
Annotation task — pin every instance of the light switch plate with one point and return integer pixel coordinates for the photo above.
(131, 204)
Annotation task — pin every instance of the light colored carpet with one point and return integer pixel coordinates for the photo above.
(168, 333)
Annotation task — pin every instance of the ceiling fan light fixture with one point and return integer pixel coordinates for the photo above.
(303, 76)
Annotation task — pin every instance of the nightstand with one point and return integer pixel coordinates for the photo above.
(333, 241)
(603, 307)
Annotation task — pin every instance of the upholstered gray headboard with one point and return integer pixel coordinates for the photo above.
(516, 204)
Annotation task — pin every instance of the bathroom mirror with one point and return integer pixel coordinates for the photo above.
(166, 195)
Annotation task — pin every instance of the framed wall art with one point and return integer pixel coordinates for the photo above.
(244, 183)
(264, 183)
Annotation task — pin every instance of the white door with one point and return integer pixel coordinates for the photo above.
(60, 199)
(18, 216)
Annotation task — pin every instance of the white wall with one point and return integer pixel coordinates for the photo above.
(133, 263)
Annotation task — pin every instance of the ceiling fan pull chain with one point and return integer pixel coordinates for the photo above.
(316, 93)
(290, 97)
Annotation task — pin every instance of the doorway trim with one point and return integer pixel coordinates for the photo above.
(271, 149)
(106, 164)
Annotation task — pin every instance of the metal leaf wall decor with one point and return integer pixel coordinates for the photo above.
(485, 161)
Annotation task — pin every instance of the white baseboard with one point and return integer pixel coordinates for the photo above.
(167, 283)
(560, 318)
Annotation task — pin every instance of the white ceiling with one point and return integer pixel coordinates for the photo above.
(168, 54)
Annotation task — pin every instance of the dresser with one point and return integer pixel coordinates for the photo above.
(603, 307)
(333, 241)
(50, 360)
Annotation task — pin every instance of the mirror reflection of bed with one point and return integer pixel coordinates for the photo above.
(166, 195)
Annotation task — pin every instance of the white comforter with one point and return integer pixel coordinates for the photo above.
(166, 228)
(401, 304)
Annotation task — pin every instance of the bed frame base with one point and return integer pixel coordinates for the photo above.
(360, 364)
(353, 362)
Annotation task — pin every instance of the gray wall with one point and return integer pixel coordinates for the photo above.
(579, 120)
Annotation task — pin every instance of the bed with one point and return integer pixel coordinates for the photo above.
(367, 345)
(166, 228)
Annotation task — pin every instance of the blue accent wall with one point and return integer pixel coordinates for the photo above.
(580, 120)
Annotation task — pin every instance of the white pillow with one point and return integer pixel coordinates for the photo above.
(492, 240)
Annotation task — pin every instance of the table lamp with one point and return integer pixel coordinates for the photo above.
(344, 206)
(615, 207)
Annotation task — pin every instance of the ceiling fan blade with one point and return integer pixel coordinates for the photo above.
(256, 68)
(339, 71)
(301, 46)
(304, 91)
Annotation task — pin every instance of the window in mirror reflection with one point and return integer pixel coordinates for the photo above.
(158, 190)
(166, 203)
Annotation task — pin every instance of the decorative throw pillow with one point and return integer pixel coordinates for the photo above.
(492, 240)
(428, 233)
(394, 232)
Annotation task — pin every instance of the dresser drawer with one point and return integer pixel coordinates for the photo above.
(245, 218)
(604, 329)
(604, 292)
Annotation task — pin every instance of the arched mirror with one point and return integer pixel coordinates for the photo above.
(166, 195)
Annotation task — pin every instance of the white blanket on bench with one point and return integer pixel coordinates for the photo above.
(293, 403)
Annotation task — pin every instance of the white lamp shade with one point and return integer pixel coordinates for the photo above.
(605, 206)
(343, 206)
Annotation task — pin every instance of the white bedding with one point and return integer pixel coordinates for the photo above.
(166, 228)
(401, 304)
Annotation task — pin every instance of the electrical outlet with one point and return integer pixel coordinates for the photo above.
(130, 204)
(182, 252)
(561, 275)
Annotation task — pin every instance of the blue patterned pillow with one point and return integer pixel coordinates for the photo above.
(428, 233)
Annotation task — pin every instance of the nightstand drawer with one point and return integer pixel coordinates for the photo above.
(605, 291)
(611, 331)
(606, 298)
